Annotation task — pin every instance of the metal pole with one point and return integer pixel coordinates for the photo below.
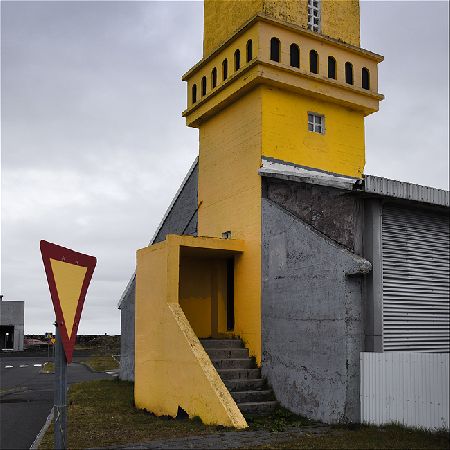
(59, 409)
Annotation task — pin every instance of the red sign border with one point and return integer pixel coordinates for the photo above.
(54, 251)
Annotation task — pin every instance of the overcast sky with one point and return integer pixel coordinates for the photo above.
(94, 146)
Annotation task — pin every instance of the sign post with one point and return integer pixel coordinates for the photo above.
(68, 275)
(59, 410)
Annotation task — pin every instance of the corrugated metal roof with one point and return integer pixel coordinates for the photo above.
(407, 191)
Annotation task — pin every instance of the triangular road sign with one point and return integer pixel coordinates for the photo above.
(68, 274)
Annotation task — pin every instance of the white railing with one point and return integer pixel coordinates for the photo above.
(407, 388)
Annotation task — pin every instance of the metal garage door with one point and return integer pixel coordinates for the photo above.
(415, 246)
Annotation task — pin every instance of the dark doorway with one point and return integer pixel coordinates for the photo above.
(7, 337)
(230, 294)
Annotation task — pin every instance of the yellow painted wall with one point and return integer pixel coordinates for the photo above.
(340, 18)
(308, 42)
(221, 309)
(223, 17)
(203, 295)
(230, 192)
(227, 53)
(168, 356)
(195, 294)
(286, 136)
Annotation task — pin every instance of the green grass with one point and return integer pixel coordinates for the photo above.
(102, 413)
(48, 367)
(101, 363)
(280, 420)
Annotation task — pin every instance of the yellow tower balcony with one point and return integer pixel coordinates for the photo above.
(274, 53)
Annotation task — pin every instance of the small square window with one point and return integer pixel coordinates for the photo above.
(316, 123)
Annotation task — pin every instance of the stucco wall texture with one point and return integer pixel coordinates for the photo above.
(222, 18)
(312, 318)
(182, 219)
(334, 212)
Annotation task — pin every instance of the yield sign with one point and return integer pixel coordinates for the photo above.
(68, 274)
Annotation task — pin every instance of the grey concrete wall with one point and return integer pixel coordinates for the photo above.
(312, 318)
(12, 313)
(127, 336)
(181, 219)
(334, 212)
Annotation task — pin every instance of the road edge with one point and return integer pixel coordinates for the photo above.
(37, 441)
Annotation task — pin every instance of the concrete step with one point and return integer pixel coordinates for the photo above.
(224, 353)
(253, 396)
(239, 374)
(258, 408)
(258, 384)
(241, 363)
(222, 343)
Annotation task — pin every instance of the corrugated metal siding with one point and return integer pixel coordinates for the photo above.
(409, 388)
(407, 191)
(415, 252)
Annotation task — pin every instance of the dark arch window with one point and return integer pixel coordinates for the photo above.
(213, 78)
(295, 55)
(275, 49)
(313, 61)
(349, 73)
(331, 67)
(365, 78)
(203, 86)
(194, 93)
(225, 69)
(249, 50)
(237, 60)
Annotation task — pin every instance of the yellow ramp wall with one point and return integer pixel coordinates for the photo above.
(285, 133)
(230, 192)
(171, 367)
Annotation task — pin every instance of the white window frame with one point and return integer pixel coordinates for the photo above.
(314, 15)
(316, 123)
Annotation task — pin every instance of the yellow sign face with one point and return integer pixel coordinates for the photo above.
(69, 281)
(52, 341)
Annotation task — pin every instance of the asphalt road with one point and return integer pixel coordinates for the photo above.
(26, 397)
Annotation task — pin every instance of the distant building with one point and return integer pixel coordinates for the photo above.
(11, 325)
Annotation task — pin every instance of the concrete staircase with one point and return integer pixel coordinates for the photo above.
(241, 376)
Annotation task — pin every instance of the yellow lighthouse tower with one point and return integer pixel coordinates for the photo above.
(282, 81)
(283, 86)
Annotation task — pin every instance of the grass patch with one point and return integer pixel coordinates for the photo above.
(367, 437)
(280, 420)
(101, 413)
(48, 367)
(101, 363)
